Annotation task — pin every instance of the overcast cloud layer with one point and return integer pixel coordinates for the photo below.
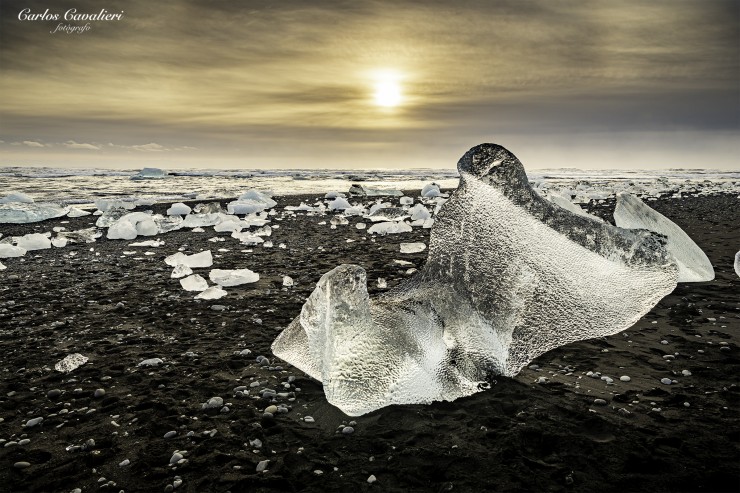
(290, 83)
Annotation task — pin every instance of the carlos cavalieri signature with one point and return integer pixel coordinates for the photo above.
(70, 15)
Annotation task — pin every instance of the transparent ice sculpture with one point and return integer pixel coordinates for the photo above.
(509, 276)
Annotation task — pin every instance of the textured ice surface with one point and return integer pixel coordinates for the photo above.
(71, 362)
(88, 235)
(388, 214)
(181, 270)
(430, 190)
(509, 276)
(234, 277)
(194, 261)
(737, 264)
(25, 212)
(693, 264)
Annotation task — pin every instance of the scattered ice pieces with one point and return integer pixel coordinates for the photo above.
(197, 260)
(194, 283)
(666, 381)
(71, 362)
(234, 277)
(262, 466)
(371, 479)
(412, 247)
(212, 293)
(287, 281)
(382, 283)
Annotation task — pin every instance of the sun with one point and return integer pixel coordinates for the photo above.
(388, 92)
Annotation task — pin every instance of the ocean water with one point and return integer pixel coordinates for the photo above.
(84, 186)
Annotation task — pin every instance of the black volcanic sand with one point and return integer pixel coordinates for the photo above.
(518, 436)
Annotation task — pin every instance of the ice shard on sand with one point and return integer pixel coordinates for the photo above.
(509, 276)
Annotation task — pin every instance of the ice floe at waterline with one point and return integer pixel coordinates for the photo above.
(693, 264)
(509, 276)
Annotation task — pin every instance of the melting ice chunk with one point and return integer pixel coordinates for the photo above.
(181, 271)
(693, 264)
(77, 212)
(509, 276)
(737, 264)
(235, 277)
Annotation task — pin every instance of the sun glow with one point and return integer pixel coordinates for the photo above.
(388, 89)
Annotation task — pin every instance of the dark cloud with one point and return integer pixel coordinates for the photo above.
(264, 79)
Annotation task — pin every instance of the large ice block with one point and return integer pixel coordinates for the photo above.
(509, 276)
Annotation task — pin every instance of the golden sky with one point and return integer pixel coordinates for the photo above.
(372, 84)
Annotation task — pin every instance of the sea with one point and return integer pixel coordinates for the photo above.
(85, 186)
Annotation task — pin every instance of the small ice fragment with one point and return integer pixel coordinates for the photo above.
(412, 247)
(287, 281)
(76, 212)
(2, 267)
(194, 283)
(212, 293)
(234, 277)
(151, 362)
(197, 260)
(179, 209)
(360, 225)
(71, 362)
(737, 264)
(34, 241)
(7, 251)
(181, 270)
(382, 283)
(389, 228)
(339, 204)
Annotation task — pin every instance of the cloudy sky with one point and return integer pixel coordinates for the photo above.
(345, 84)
